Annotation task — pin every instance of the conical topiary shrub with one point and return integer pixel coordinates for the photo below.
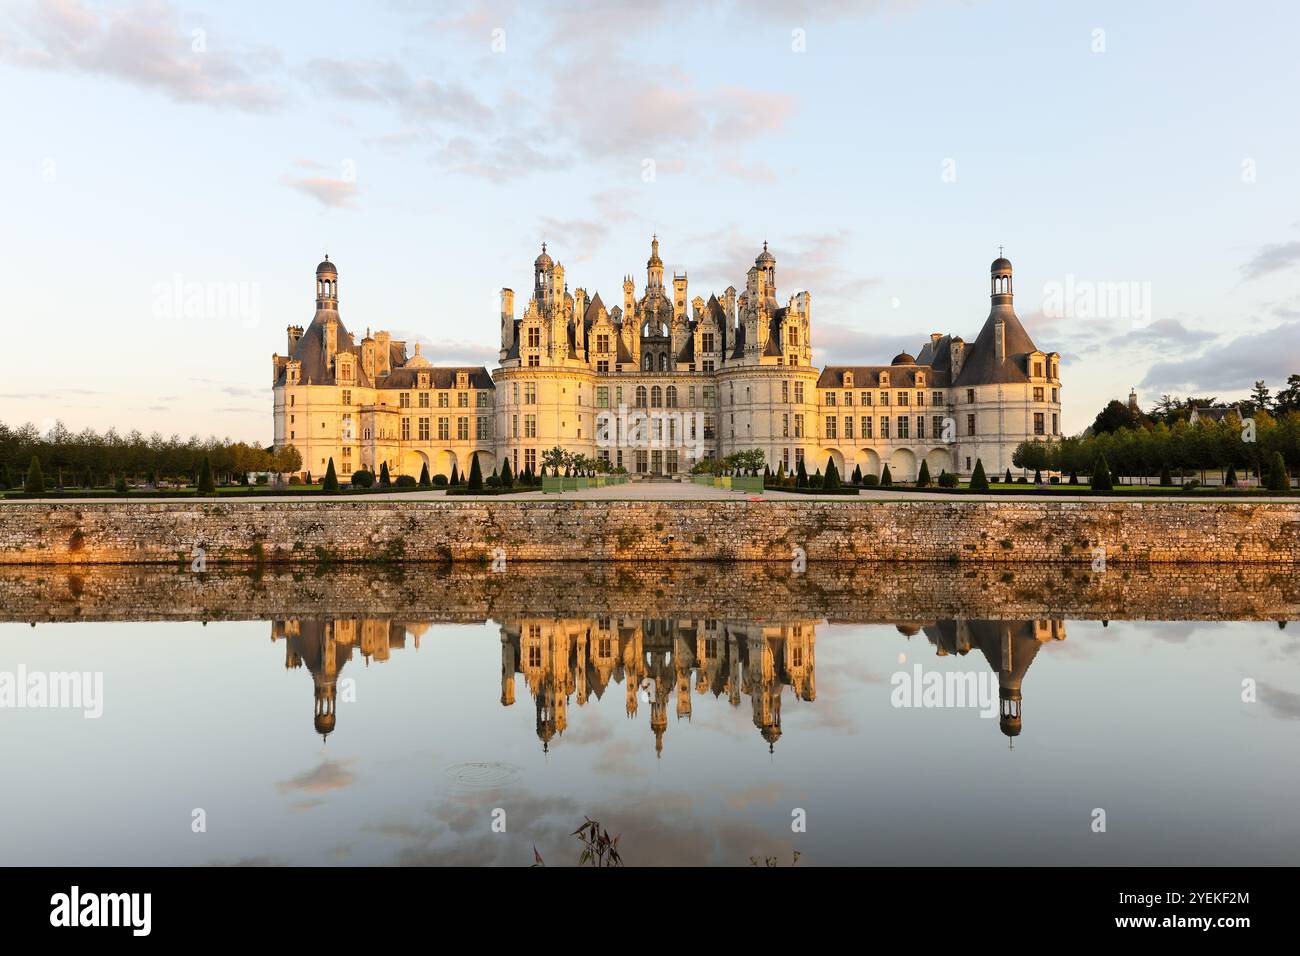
(455, 475)
(385, 479)
(1278, 478)
(331, 486)
(886, 479)
(923, 476)
(425, 482)
(35, 483)
(832, 479)
(475, 474)
(801, 475)
(1101, 480)
(206, 484)
(857, 474)
(1007, 479)
(1230, 479)
(978, 480)
(507, 476)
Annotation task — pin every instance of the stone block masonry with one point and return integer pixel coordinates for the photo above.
(853, 530)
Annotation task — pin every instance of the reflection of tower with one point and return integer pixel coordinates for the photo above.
(1008, 646)
(509, 656)
(323, 647)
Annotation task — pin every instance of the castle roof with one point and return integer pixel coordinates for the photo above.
(981, 365)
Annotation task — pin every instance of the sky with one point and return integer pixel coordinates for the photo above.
(171, 173)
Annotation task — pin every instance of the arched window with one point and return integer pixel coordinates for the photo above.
(671, 396)
(640, 396)
(649, 362)
(663, 361)
(656, 397)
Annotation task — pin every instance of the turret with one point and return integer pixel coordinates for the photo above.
(507, 320)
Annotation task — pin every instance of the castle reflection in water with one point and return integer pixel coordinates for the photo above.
(660, 664)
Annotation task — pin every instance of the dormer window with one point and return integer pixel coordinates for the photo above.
(462, 380)
(848, 379)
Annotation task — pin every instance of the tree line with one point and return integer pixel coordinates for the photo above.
(1153, 448)
(91, 459)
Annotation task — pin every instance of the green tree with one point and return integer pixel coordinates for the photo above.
(455, 475)
(120, 484)
(978, 480)
(857, 474)
(331, 486)
(1101, 480)
(475, 474)
(1166, 479)
(886, 479)
(801, 475)
(206, 485)
(87, 479)
(385, 479)
(507, 476)
(425, 482)
(4, 476)
(923, 476)
(832, 479)
(1230, 480)
(35, 484)
(1006, 479)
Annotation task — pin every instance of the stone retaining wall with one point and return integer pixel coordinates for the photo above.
(854, 530)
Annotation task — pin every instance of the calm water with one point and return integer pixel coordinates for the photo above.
(333, 727)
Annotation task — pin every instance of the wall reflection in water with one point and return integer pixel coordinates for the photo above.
(660, 664)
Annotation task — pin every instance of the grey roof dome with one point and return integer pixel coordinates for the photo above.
(326, 268)
(765, 258)
(543, 261)
(902, 358)
(1000, 264)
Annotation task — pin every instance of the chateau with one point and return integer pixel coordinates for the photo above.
(659, 382)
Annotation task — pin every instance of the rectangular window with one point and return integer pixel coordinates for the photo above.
(902, 399)
(530, 393)
(424, 399)
(602, 367)
(706, 342)
(602, 396)
(884, 426)
(920, 426)
(848, 398)
(798, 393)
(884, 399)
(530, 426)
(424, 429)
(936, 426)
(534, 361)
(785, 391)
(1038, 370)
(1055, 429)
(514, 426)
(1038, 423)
(443, 399)
(406, 429)
(481, 399)
(530, 459)
(936, 398)
(709, 395)
(534, 338)
(902, 426)
(970, 396)
(462, 399)
(866, 426)
(1038, 394)
(462, 428)
(785, 425)
(920, 398)
(830, 426)
(602, 343)
(798, 426)
(848, 426)
(444, 428)
(970, 424)
(798, 456)
(830, 399)
(482, 432)
(708, 365)
(347, 396)
(403, 399)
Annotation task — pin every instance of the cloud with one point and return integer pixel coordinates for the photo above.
(1270, 355)
(758, 172)
(144, 45)
(387, 81)
(1272, 258)
(330, 775)
(328, 191)
(498, 161)
(1280, 703)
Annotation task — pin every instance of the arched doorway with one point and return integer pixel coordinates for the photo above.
(868, 461)
(902, 465)
(442, 463)
(412, 463)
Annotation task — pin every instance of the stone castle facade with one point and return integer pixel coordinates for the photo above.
(659, 382)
